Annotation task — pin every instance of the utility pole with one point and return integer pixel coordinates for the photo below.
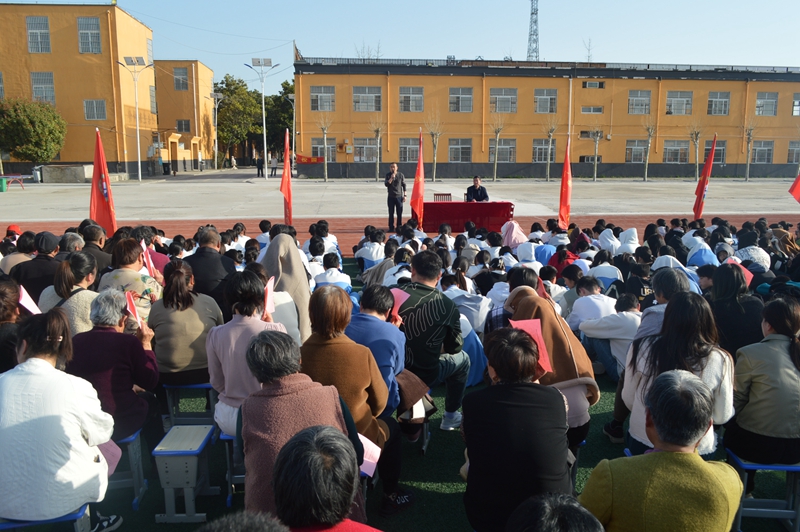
(533, 32)
(217, 97)
(136, 62)
(261, 63)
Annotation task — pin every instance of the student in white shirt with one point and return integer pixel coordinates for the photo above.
(591, 304)
(607, 339)
(446, 236)
(332, 274)
(371, 253)
(264, 226)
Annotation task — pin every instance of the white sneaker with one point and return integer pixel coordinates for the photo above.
(451, 423)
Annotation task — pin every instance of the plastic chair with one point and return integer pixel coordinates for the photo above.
(135, 477)
(79, 516)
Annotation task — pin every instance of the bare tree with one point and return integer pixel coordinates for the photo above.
(324, 121)
(695, 132)
(377, 125)
(435, 128)
(497, 125)
(596, 134)
(649, 128)
(549, 127)
(748, 129)
(368, 52)
(588, 47)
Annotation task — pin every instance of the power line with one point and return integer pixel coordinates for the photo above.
(203, 29)
(161, 36)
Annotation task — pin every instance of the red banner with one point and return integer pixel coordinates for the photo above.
(418, 194)
(302, 159)
(286, 183)
(101, 202)
(565, 202)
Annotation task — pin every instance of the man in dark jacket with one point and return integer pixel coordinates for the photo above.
(211, 269)
(95, 238)
(395, 183)
(37, 274)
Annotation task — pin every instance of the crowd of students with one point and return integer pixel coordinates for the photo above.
(698, 324)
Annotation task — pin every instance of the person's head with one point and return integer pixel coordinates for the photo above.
(403, 255)
(94, 234)
(9, 301)
(643, 255)
(175, 250)
(46, 243)
(321, 229)
(330, 261)
(666, 251)
(689, 320)
(483, 257)
(445, 229)
(552, 512)
(470, 228)
(25, 243)
(706, 275)
(329, 310)
(548, 273)
(782, 316)
(78, 267)
(235, 255)
(679, 408)
(244, 293)
(393, 168)
(426, 267)
(377, 236)
(587, 286)
(728, 283)
(601, 257)
(640, 270)
(494, 239)
(45, 335)
(260, 271)
(571, 275)
(668, 282)
(244, 522)
(70, 242)
(239, 229)
(390, 248)
(209, 238)
(109, 309)
(512, 355)
(127, 253)
(178, 285)
(143, 232)
(476, 181)
(316, 246)
(272, 355)
(264, 226)
(627, 303)
(377, 299)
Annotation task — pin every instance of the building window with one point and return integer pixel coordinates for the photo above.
(366, 99)
(506, 152)
(181, 76)
(676, 151)
(596, 110)
(679, 102)
(94, 109)
(89, 35)
(594, 84)
(638, 102)
(153, 101)
(794, 152)
(719, 103)
(149, 51)
(719, 151)
(540, 147)
(38, 35)
(635, 151)
(590, 134)
(460, 100)
(796, 104)
(503, 100)
(545, 100)
(590, 159)
(411, 99)
(365, 150)
(460, 150)
(318, 151)
(323, 98)
(184, 126)
(762, 151)
(767, 104)
(409, 150)
(2, 87)
(43, 88)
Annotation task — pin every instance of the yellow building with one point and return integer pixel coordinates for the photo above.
(614, 103)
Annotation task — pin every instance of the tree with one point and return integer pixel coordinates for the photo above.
(279, 118)
(31, 131)
(324, 121)
(596, 134)
(549, 127)
(435, 127)
(497, 125)
(377, 125)
(695, 132)
(649, 128)
(239, 112)
(748, 129)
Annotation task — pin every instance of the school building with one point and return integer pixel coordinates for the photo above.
(623, 108)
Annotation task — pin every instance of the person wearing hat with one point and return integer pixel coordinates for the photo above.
(37, 274)
(13, 231)
(24, 252)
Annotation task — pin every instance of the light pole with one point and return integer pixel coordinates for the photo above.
(217, 97)
(262, 62)
(290, 97)
(136, 62)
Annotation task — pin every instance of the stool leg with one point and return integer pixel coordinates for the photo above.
(794, 479)
(229, 475)
(84, 524)
(171, 404)
(188, 497)
(169, 502)
(737, 523)
(137, 473)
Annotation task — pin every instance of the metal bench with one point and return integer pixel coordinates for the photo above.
(231, 477)
(80, 517)
(177, 417)
(8, 179)
(135, 477)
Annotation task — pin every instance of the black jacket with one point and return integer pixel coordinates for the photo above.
(211, 270)
(35, 275)
(103, 260)
(477, 195)
(397, 188)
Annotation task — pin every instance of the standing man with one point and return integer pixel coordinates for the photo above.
(260, 167)
(476, 192)
(273, 164)
(396, 186)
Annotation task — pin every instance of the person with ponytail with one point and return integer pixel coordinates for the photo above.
(50, 464)
(71, 290)
(766, 428)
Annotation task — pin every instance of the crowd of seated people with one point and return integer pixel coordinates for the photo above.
(697, 325)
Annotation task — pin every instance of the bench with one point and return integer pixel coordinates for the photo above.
(231, 477)
(80, 517)
(787, 509)
(135, 477)
(7, 179)
(182, 460)
(176, 417)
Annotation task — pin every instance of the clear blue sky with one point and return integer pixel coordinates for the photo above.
(225, 35)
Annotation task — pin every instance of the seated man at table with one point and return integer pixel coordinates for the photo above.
(476, 192)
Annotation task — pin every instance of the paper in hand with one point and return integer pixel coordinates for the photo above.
(400, 297)
(148, 262)
(269, 297)
(27, 301)
(534, 328)
(131, 308)
(371, 455)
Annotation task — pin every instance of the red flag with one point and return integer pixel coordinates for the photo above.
(795, 188)
(702, 185)
(101, 204)
(565, 202)
(418, 194)
(286, 182)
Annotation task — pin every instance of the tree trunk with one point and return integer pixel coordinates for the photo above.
(596, 147)
(549, 153)
(697, 161)
(647, 159)
(747, 166)
(496, 146)
(325, 155)
(378, 159)
(435, 145)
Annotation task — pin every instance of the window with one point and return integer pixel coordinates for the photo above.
(635, 151)
(4, 155)
(409, 150)
(411, 99)
(89, 35)
(43, 88)
(679, 102)
(796, 104)
(594, 84)
(506, 151)
(38, 35)
(503, 100)
(460, 100)
(94, 109)
(591, 134)
(318, 151)
(149, 51)
(794, 152)
(540, 150)
(365, 150)
(366, 99)
(545, 100)
(181, 76)
(638, 102)
(767, 103)
(323, 98)
(719, 103)
(719, 152)
(762, 151)
(592, 110)
(153, 101)
(590, 159)
(2, 87)
(460, 150)
(676, 151)
(184, 126)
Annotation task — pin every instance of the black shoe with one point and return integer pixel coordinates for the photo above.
(396, 502)
(391, 229)
(614, 432)
(106, 524)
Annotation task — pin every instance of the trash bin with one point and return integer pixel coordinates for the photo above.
(37, 174)
(3, 184)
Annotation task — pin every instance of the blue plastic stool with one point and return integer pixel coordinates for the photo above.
(176, 417)
(232, 479)
(135, 477)
(79, 516)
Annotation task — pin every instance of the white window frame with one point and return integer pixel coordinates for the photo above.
(763, 151)
(365, 149)
(409, 150)
(679, 102)
(506, 153)
(545, 101)
(639, 102)
(183, 125)
(316, 148)
(149, 51)
(719, 103)
(323, 98)
(503, 100)
(794, 152)
(720, 153)
(38, 35)
(89, 35)
(796, 104)
(592, 109)
(43, 87)
(767, 104)
(635, 151)
(676, 152)
(411, 99)
(153, 100)
(459, 150)
(594, 84)
(94, 109)
(367, 99)
(460, 99)
(181, 78)
(539, 154)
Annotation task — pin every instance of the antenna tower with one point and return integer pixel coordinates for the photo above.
(533, 33)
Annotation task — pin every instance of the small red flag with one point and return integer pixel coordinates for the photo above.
(286, 182)
(101, 202)
(795, 188)
(565, 202)
(418, 194)
(702, 185)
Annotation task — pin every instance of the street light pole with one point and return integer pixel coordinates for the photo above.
(262, 62)
(217, 97)
(134, 62)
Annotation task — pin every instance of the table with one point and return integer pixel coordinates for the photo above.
(491, 215)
